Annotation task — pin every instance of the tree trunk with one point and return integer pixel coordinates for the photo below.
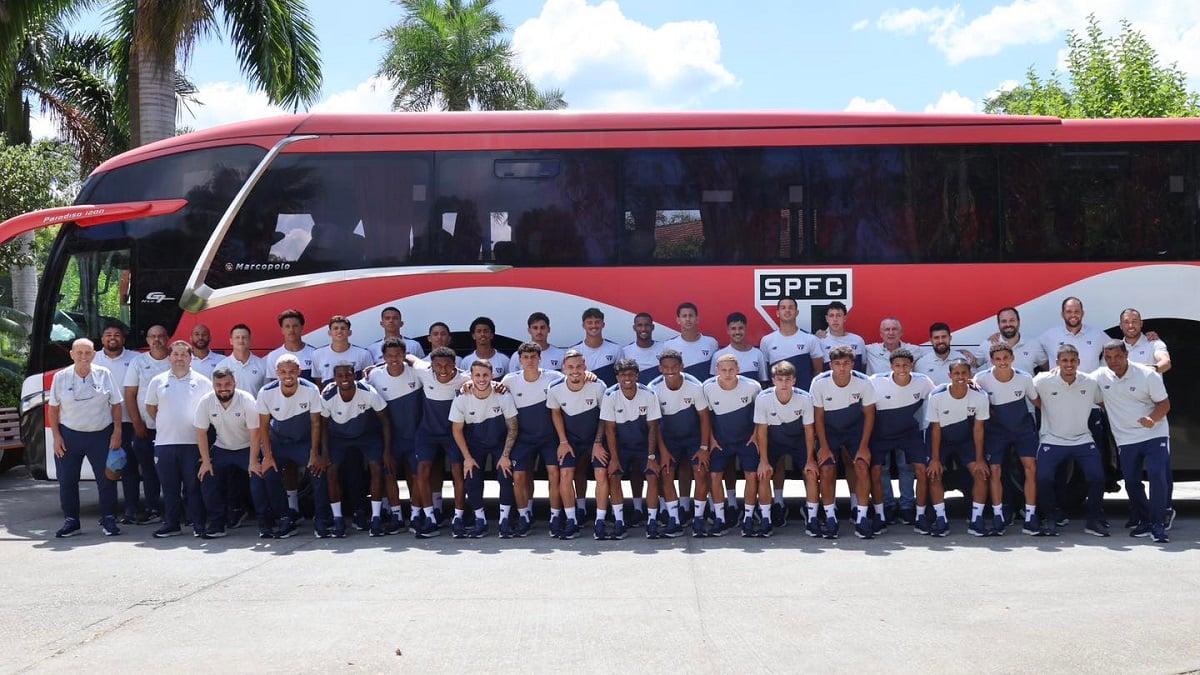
(152, 96)
(25, 280)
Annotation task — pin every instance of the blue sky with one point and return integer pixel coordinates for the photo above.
(909, 55)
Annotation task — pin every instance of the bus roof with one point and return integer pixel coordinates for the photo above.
(268, 130)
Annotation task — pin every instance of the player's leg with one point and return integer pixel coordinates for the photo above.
(979, 492)
(603, 492)
(684, 475)
(1089, 459)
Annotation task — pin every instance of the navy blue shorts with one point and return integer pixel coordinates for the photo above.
(633, 462)
(997, 446)
(963, 453)
(748, 458)
(849, 439)
(523, 458)
(913, 446)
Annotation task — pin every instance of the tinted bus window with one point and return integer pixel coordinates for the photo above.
(904, 204)
(1095, 202)
(712, 206)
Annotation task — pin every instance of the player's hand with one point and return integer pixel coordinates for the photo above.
(114, 441)
(317, 463)
(600, 454)
(994, 338)
(654, 467)
(614, 467)
(765, 470)
(811, 468)
(821, 334)
(589, 376)
(268, 463)
(140, 430)
(60, 447)
(498, 387)
(703, 458)
(469, 466)
(715, 447)
(565, 449)
(824, 456)
(504, 464)
(980, 470)
(1151, 335)
(205, 469)
(665, 459)
(934, 470)
(255, 468)
(1146, 421)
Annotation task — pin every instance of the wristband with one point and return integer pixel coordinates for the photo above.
(652, 457)
(703, 447)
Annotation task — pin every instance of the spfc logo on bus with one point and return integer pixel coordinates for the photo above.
(811, 288)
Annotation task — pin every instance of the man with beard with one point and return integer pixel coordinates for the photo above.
(204, 360)
(1027, 356)
(137, 380)
(171, 401)
(935, 363)
(222, 473)
(117, 360)
(644, 350)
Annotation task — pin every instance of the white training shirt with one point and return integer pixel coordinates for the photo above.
(324, 359)
(1142, 351)
(950, 412)
(176, 398)
(290, 415)
(205, 366)
(250, 376)
(119, 366)
(697, 355)
(552, 359)
(1066, 408)
(410, 347)
(769, 410)
(751, 363)
(646, 357)
(233, 423)
(616, 407)
(600, 360)
(84, 403)
(304, 356)
(934, 367)
(1089, 341)
(879, 357)
(1027, 355)
(499, 363)
(1130, 398)
(141, 371)
(851, 340)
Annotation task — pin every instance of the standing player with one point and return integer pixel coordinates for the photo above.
(574, 404)
(538, 325)
(697, 349)
(1067, 397)
(289, 419)
(483, 331)
(484, 424)
(644, 350)
(1010, 430)
(630, 414)
(204, 360)
(400, 387)
(935, 363)
(1027, 356)
(248, 370)
(391, 321)
(85, 420)
(731, 398)
(783, 418)
(222, 474)
(836, 335)
(117, 360)
(536, 436)
(291, 325)
(171, 401)
(339, 350)
(354, 417)
(601, 356)
(137, 381)
(899, 427)
(844, 406)
(683, 436)
(792, 344)
(440, 382)
(956, 413)
(440, 336)
(1137, 406)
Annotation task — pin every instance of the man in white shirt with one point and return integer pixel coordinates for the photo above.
(171, 401)
(339, 350)
(644, 349)
(204, 360)
(392, 321)
(249, 371)
(230, 411)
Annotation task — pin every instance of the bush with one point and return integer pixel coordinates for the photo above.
(10, 391)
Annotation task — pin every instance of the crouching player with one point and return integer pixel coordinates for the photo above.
(574, 404)
(230, 411)
(783, 421)
(355, 418)
(731, 397)
(683, 432)
(844, 407)
(1009, 429)
(630, 414)
(528, 387)
(956, 414)
(484, 424)
(290, 410)
(899, 418)
(440, 382)
(400, 388)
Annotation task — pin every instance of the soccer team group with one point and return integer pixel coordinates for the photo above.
(207, 440)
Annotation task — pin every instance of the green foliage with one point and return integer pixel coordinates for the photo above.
(33, 177)
(450, 54)
(1106, 77)
(10, 390)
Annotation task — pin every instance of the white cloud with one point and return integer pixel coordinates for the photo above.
(861, 25)
(860, 104)
(951, 102)
(41, 126)
(373, 96)
(1171, 26)
(603, 60)
(226, 102)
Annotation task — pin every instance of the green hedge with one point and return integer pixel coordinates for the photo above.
(10, 391)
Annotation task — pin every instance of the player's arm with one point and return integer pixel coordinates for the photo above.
(864, 446)
(598, 450)
(652, 458)
(610, 435)
(460, 439)
(505, 462)
(267, 454)
(560, 428)
(318, 453)
(759, 438)
(1162, 360)
(935, 451)
(810, 440)
(981, 468)
(825, 454)
(665, 458)
(1156, 415)
(818, 362)
(205, 453)
(385, 422)
(135, 412)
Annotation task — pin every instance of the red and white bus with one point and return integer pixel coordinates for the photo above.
(450, 216)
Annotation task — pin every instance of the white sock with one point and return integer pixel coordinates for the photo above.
(651, 514)
(428, 511)
(940, 510)
(554, 513)
(853, 502)
(581, 504)
(505, 509)
(480, 515)
(831, 511)
(862, 514)
(619, 512)
(700, 509)
(601, 514)
(673, 510)
(811, 509)
(765, 512)
(459, 513)
(1030, 510)
(570, 510)
(399, 511)
(336, 507)
(731, 499)
(293, 499)
(637, 504)
(524, 513)
(976, 511)
(878, 510)
(720, 513)
(750, 510)
(529, 506)
(779, 496)
(998, 510)
(920, 512)
(376, 509)
(437, 501)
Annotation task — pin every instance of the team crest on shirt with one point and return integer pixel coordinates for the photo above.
(704, 353)
(687, 401)
(641, 410)
(589, 401)
(362, 407)
(496, 409)
(303, 406)
(970, 410)
(855, 397)
(745, 399)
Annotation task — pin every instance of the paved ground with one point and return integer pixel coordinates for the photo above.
(902, 603)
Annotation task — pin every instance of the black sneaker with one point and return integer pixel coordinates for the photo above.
(1142, 529)
(214, 533)
(907, 516)
(128, 519)
(1159, 534)
(1096, 528)
(70, 528)
(108, 525)
(237, 518)
(168, 530)
(151, 517)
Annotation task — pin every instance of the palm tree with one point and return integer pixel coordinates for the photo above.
(449, 54)
(274, 41)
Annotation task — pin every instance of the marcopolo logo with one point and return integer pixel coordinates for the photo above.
(811, 288)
